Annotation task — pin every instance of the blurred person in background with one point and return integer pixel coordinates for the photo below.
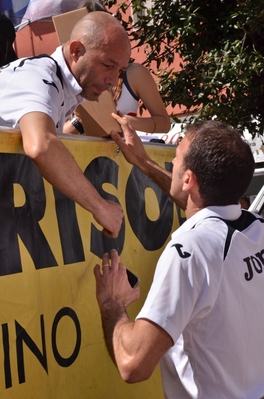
(7, 38)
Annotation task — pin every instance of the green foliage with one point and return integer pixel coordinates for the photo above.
(221, 45)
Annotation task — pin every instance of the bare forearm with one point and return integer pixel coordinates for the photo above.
(161, 177)
(134, 346)
(112, 314)
(129, 344)
(123, 343)
(158, 174)
(59, 168)
(54, 161)
(157, 123)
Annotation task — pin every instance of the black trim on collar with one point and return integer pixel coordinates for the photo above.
(240, 224)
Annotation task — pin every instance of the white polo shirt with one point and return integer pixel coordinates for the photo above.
(208, 293)
(34, 84)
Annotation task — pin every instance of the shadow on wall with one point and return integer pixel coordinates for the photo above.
(36, 38)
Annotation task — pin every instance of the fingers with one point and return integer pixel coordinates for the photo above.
(114, 258)
(105, 260)
(96, 271)
(99, 271)
(110, 218)
(110, 234)
(117, 116)
(106, 264)
(122, 120)
(110, 261)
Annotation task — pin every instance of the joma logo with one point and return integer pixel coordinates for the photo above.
(256, 263)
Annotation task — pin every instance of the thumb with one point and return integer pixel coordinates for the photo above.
(117, 116)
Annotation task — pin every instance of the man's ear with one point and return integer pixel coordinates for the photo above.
(189, 180)
(77, 49)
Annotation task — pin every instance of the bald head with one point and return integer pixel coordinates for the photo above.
(97, 52)
(97, 29)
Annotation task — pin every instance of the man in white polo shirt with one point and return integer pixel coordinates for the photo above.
(203, 318)
(39, 93)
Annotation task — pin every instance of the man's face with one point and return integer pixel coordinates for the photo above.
(177, 171)
(99, 69)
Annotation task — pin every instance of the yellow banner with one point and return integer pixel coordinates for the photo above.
(52, 343)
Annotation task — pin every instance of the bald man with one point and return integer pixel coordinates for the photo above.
(39, 93)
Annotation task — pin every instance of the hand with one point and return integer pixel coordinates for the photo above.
(134, 152)
(132, 148)
(110, 216)
(112, 284)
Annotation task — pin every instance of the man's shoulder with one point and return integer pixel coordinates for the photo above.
(42, 66)
(41, 59)
(198, 237)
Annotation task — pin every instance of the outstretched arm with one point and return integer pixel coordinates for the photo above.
(59, 168)
(134, 152)
(135, 347)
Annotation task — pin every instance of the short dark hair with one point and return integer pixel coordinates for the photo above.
(221, 159)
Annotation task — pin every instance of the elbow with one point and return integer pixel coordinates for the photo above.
(33, 152)
(36, 150)
(132, 372)
(166, 125)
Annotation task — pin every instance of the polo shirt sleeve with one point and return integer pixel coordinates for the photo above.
(185, 286)
(42, 93)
